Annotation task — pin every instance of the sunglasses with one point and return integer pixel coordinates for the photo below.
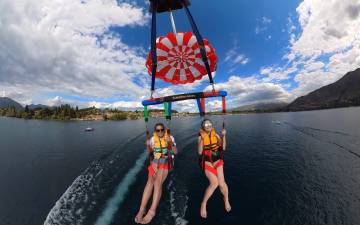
(159, 130)
(207, 125)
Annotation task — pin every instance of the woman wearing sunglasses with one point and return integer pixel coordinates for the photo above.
(162, 147)
(210, 149)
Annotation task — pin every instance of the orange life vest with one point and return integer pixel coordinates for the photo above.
(212, 150)
(210, 141)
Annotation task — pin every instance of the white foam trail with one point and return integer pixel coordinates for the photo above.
(178, 216)
(114, 202)
(64, 209)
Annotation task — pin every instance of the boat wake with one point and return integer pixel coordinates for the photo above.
(69, 208)
(322, 130)
(114, 202)
(346, 142)
(178, 203)
(85, 196)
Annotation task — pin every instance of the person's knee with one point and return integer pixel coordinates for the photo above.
(222, 184)
(214, 184)
(158, 181)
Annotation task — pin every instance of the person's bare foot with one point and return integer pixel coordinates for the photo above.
(139, 216)
(149, 216)
(227, 205)
(203, 212)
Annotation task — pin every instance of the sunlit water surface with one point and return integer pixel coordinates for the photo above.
(281, 168)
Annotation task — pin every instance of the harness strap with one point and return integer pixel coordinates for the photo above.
(161, 148)
(210, 145)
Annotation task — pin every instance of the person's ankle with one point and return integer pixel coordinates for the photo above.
(152, 210)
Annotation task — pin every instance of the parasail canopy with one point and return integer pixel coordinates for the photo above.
(179, 60)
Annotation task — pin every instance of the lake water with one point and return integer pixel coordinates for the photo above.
(281, 168)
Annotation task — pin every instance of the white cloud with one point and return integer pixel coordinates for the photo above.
(164, 92)
(117, 105)
(327, 26)
(56, 101)
(186, 106)
(124, 105)
(191, 86)
(262, 25)
(211, 104)
(65, 47)
(249, 90)
(277, 73)
(266, 20)
(234, 58)
(214, 105)
(327, 47)
(290, 25)
(313, 66)
(241, 59)
(329, 29)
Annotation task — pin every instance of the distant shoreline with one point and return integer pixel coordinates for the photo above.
(175, 115)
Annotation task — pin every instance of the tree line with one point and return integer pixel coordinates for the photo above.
(67, 112)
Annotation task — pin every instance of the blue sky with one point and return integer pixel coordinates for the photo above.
(92, 53)
(230, 26)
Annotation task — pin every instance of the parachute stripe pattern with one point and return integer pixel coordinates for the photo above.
(179, 58)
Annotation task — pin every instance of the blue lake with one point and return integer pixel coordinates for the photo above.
(281, 168)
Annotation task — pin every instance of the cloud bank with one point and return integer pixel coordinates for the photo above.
(327, 47)
(67, 47)
(53, 49)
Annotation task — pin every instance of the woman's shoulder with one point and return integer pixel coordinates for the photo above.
(152, 140)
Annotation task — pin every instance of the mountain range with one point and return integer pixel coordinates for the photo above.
(342, 93)
(262, 106)
(38, 106)
(6, 102)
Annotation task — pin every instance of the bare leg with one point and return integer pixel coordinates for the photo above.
(159, 179)
(158, 186)
(223, 187)
(213, 184)
(145, 198)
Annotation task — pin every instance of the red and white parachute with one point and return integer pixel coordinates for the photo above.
(179, 59)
